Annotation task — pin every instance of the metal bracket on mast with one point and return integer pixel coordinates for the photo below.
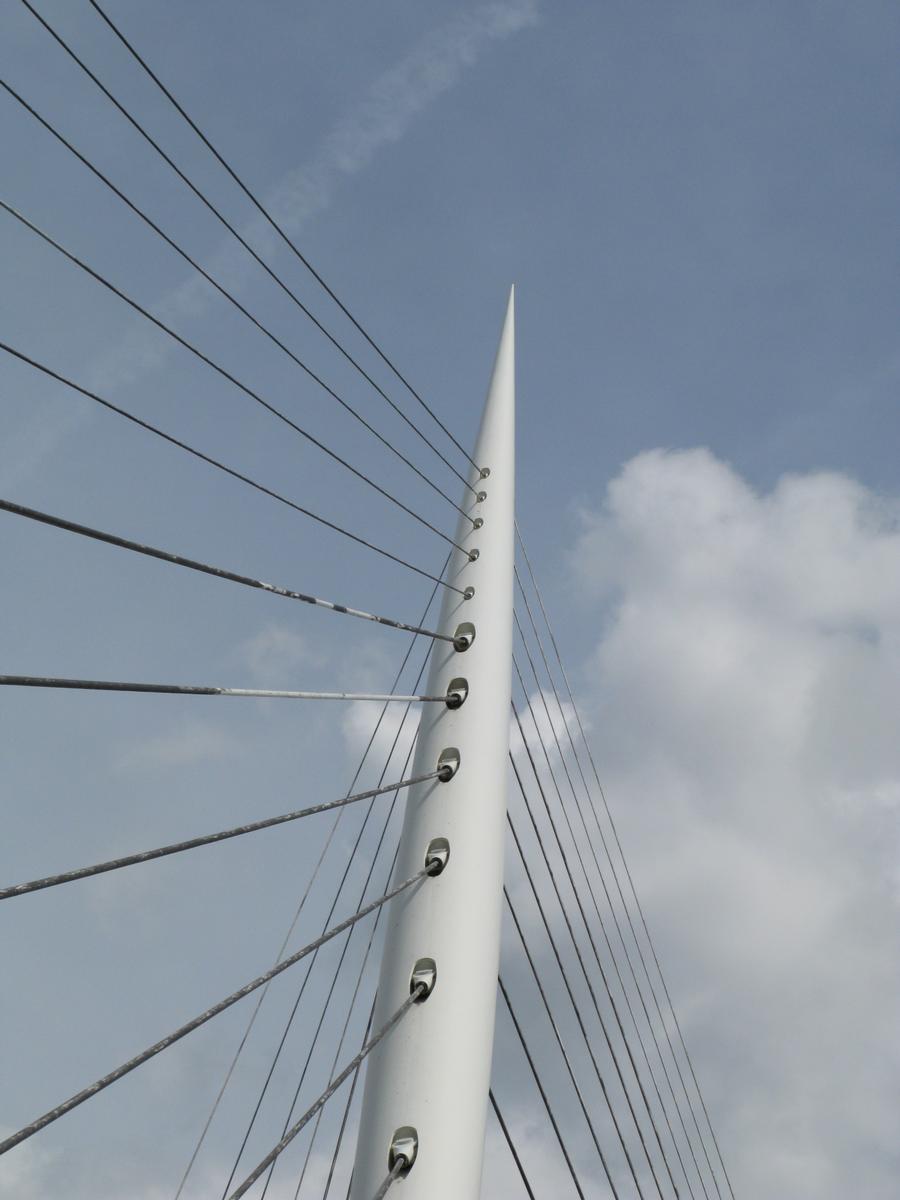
(434, 1068)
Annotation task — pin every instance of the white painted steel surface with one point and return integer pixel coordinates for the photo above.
(433, 1071)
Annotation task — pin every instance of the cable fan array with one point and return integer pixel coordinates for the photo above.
(589, 1043)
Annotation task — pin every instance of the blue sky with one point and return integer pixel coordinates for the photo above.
(698, 207)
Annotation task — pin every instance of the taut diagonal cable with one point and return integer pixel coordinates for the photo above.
(267, 217)
(334, 903)
(223, 372)
(179, 560)
(509, 1141)
(541, 1091)
(163, 1044)
(229, 296)
(341, 813)
(609, 900)
(565, 978)
(208, 839)
(351, 1067)
(603, 929)
(635, 897)
(559, 1042)
(577, 949)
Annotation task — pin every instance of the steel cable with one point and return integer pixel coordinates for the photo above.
(223, 291)
(238, 1051)
(345, 1115)
(163, 1044)
(222, 371)
(272, 222)
(183, 689)
(568, 986)
(609, 900)
(392, 1176)
(342, 1039)
(559, 1043)
(333, 985)
(578, 953)
(540, 1088)
(208, 839)
(616, 1014)
(625, 906)
(112, 539)
(415, 994)
(306, 977)
(509, 1141)
(235, 474)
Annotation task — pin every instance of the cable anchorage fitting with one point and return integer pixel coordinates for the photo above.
(464, 636)
(478, 522)
(404, 1148)
(468, 593)
(457, 692)
(474, 555)
(481, 497)
(423, 979)
(437, 856)
(447, 764)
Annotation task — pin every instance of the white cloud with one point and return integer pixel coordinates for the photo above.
(272, 655)
(543, 721)
(193, 742)
(745, 692)
(363, 720)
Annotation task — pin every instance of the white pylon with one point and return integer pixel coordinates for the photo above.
(431, 1074)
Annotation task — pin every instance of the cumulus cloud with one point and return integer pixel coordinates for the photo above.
(193, 742)
(744, 690)
(272, 655)
(547, 724)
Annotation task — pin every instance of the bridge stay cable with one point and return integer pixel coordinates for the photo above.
(417, 994)
(575, 842)
(633, 891)
(310, 883)
(564, 975)
(584, 971)
(541, 1090)
(105, 1081)
(559, 1043)
(504, 1129)
(179, 560)
(638, 988)
(227, 295)
(336, 973)
(208, 839)
(336, 898)
(223, 372)
(451, 699)
(278, 229)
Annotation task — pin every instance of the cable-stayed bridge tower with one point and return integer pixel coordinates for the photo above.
(612, 1068)
(429, 1083)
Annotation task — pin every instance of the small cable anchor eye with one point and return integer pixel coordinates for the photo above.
(474, 555)
(447, 764)
(464, 636)
(481, 497)
(424, 975)
(478, 522)
(457, 692)
(403, 1148)
(437, 856)
(485, 471)
(468, 593)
